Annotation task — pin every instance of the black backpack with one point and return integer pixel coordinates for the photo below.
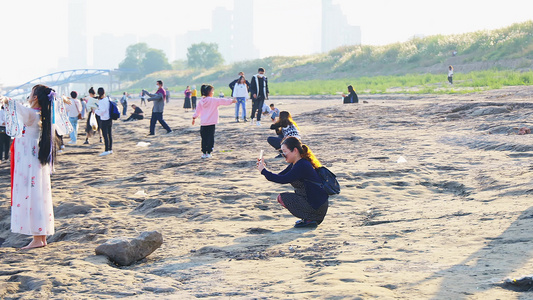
(329, 181)
(114, 113)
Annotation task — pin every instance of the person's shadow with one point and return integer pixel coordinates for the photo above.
(490, 264)
(252, 246)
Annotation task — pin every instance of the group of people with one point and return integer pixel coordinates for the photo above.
(35, 145)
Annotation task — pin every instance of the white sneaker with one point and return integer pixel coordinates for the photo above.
(62, 147)
(105, 153)
(258, 123)
(71, 142)
(204, 155)
(110, 151)
(208, 155)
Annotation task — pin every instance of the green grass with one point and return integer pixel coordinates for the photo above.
(411, 83)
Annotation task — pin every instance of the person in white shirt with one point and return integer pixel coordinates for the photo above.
(106, 123)
(74, 114)
(240, 92)
(92, 105)
(450, 74)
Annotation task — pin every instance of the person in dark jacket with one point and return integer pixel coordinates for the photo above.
(234, 82)
(351, 97)
(309, 202)
(159, 105)
(259, 92)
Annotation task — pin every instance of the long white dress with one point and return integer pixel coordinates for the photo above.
(32, 210)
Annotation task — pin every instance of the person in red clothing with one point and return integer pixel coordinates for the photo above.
(309, 202)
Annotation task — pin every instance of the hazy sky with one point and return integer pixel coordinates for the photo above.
(34, 32)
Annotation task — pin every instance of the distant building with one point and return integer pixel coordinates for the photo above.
(232, 30)
(77, 36)
(105, 57)
(336, 31)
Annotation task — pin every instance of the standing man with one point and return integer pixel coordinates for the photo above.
(124, 102)
(159, 105)
(167, 95)
(74, 114)
(259, 92)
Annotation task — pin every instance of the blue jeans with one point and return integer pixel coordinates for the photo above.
(275, 141)
(74, 133)
(241, 101)
(158, 116)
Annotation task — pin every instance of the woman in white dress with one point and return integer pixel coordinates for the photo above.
(31, 196)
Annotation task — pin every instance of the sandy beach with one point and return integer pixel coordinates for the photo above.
(450, 222)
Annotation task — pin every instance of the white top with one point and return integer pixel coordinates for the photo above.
(240, 90)
(74, 108)
(450, 73)
(103, 109)
(92, 103)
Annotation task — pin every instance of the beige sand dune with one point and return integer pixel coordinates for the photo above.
(448, 223)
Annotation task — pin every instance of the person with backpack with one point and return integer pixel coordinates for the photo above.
(309, 202)
(124, 103)
(106, 122)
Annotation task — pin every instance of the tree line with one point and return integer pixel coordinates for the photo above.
(142, 60)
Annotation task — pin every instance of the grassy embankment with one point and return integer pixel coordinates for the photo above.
(484, 60)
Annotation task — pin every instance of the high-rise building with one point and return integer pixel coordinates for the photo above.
(232, 31)
(336, 31)
(77, 35)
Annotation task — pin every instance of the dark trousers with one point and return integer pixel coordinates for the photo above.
(135, 117)
(208, 138)
(450, 79)
(275, 141)
(257, 106)
(5, 143)
(124, 109)
(107, 125)
(158, 116)
(193, 99)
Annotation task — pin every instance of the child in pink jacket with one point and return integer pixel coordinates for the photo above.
(207, 110)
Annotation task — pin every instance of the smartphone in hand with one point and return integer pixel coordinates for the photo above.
(260, 155)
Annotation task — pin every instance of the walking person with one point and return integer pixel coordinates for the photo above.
(450, 74)
(240, 92)
(207, 110)
(32, 211)
(106, 122)
(259, 92)
(284, 128)
(194, 92)
(92, 105)
(83, 107)
(124, 103)
(309, 202)
(187, 101)
(157, 110)
(74, 114)
(5, 140)
(143, 99)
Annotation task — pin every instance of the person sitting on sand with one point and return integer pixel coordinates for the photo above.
(284, 127)
(309, 202)
(207, 110)
(137, 114)
(351, 97)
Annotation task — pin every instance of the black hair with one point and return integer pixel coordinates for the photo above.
(292, 142)
(46, 141)
(74, 94)
(260, 70)
(101, 93)
(206, 89)
(91, 91)
(160, 82)
(285, 119)
(272, 104)
(350, 89)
